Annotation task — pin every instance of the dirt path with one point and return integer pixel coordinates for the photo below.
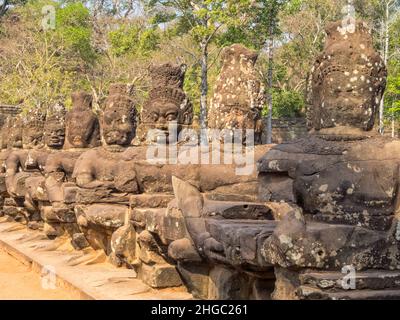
(18, 282)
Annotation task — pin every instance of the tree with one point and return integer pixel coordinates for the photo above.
(202, 20)
(266, 19)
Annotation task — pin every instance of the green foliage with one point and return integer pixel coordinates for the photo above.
(392, 96)
(40, 67)
(133, 39)
(287, 103)
(74, 27)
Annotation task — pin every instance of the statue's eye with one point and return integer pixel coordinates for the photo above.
(171, 117)
(154, 116)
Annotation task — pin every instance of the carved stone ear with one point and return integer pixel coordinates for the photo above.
(188, 198)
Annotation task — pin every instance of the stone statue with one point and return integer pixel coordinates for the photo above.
(105, 175)
(54, 138)
(238, 93)
(340, 181)
(82, 132)
(22, 163)
(150, 212)
(4, 153)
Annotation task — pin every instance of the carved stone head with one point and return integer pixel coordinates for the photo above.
(167, 103)
(82, 126)
(238, 93)
(54, 129)
(32, 132)
(118, 121)
(167, 75)
(348, 81)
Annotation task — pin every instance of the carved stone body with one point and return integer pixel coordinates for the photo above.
(23, 163)
(340, 181)
(82, 132)
(104, 177)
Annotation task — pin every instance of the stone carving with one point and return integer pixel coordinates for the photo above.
(238, 93)
(15, 133)
(348, 81)
(105, 175)
(82, 132)
(167, 104)
(82, 126)
(218, 248)
(7, 117)
(317, 204)
(4, 153)
(22, 163)
(341, 183)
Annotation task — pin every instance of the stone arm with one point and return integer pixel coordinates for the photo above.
(12, 165)
(85, 176)
(55, 176)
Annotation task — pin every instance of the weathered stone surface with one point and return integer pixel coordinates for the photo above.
(344, 183)
(238, 93)
(79, 241)
(105, 176)
(196, 278)
(228, 284)
(167, 104)
(160, 276)
(349, 78)
(350, 182)
(82, 125)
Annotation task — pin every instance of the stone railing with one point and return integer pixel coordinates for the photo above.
(286, 129)
(7, 110)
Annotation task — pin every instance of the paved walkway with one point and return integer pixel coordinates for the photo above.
(18, 281)
(81, 274)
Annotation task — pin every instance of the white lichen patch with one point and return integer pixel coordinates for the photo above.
(323, 188)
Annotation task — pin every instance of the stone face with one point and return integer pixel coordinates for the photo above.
(238, 93)
(82, 125)
(32, 132)
(349, 78)
(15, 132)
(82, 131)
(118, 120)
(167, 105)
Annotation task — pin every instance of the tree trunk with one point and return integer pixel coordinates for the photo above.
(385, 59)
(269, 84)
(393, 126)
(204, 86)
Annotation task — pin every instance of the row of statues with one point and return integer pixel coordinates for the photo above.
(285, 230)
(87, 178)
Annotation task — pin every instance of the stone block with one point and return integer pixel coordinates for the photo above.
(160, 276)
